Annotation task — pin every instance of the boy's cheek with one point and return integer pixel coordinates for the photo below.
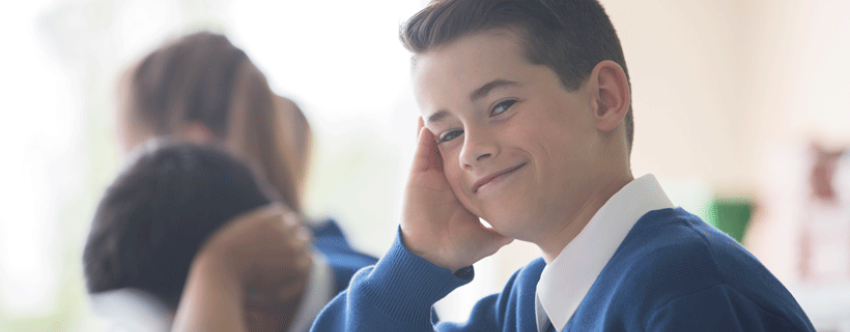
(455, 177)
(456, 183)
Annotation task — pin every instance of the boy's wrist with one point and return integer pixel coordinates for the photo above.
(423, 252)
(216, 267)
(405, 286)
(212, 298)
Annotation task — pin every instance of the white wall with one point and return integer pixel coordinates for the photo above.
(715, 84)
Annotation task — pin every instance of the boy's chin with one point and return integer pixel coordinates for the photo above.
(504, 220)
(515, 228)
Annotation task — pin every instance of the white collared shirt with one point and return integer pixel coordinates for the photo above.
(319, 291)
(567, 279)
(131, 310)
(134, 310)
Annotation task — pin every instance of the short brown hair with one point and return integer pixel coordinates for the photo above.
(203, 78)
(569, 36)
(157, 214)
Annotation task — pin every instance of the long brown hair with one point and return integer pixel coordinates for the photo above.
(202, 78)
(299, 138)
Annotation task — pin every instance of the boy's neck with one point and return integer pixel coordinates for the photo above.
(565, 231)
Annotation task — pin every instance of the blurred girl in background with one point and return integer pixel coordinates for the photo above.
(202, 89)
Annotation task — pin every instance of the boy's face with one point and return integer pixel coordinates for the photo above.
(517, 147)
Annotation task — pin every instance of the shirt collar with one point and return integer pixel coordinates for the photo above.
(130, 309)
(564, 282)
(319, 292)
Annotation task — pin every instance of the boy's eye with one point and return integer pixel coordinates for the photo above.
(450, 135)
(502, 107)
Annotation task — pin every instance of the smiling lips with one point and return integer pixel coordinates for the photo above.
(495, 177)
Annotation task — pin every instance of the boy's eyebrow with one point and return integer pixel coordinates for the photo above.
(486, 88)
(479, 93)
(437, 117)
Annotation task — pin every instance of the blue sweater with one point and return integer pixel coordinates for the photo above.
(672, 272)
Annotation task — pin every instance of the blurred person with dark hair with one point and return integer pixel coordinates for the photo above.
(159, 212)
(201, 88)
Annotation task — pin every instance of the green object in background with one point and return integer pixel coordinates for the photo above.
(730, 215)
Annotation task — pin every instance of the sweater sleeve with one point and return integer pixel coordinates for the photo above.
(397, 294)
(719, 308)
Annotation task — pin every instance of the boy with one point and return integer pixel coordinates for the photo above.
(527, 113)
(166, 206)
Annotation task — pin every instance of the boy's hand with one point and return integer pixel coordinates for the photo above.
(435, 226)
(267, 251)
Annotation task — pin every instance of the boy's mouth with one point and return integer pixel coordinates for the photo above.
(495, 177)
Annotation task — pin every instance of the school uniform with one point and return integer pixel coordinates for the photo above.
(639, 265)
(334, 262)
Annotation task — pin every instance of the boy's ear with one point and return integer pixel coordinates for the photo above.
(611, 94)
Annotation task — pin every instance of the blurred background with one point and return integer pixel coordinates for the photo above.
(740, 111)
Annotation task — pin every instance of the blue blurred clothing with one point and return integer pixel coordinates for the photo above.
(330, 241)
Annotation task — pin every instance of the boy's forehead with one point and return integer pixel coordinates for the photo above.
(467, 63)
(451, 73)
(474, 48)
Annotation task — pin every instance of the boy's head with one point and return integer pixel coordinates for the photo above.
(158, 212)
(529, 101)
(569, 37)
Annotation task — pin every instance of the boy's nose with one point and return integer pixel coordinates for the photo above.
(477, 148)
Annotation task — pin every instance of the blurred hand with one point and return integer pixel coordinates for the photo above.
(267, 251)
(435, 225)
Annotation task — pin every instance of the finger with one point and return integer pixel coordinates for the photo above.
(420, 158)
(246, 221)
(299, 241)
(304, 262)
(291, 219)
(269, 212)
(421, 124)
(289, 225)
(293, 230)
(293, 225)
(304, 237)
(427, 155)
